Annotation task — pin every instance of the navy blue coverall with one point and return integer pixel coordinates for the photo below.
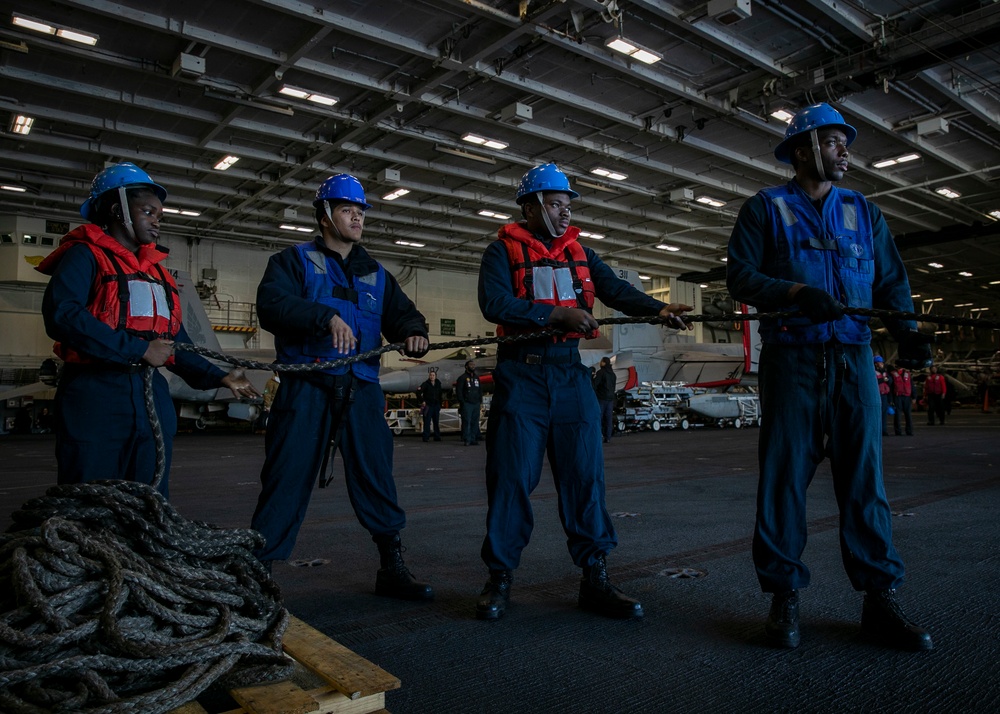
(818, 399)
(102, 430)
(306, 408)
(544, 403)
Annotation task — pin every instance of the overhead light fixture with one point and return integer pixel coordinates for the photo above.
(644, 277)
(588, 234)
(632, 49)
(395, 194)
(483, 141)
(978, 309)
(724, 259)
(916, 295)
(409, 243)
(300, 229)
(935, 265)
(995, 282)
(464, 154)
(965, 274)
(21, 124)
(782, 115)
(885, 163)
(609, 174)
(50, 28)
(709, 201)
(181, 211)
(995, 214)
(947, 192)
(703, 285)
(493, 214)
(963, 304)
(305, 94)
(671, 248)
(15, 189)
(225, 162)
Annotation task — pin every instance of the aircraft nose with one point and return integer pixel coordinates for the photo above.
(395, 382)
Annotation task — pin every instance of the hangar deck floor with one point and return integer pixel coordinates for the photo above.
(681, 500)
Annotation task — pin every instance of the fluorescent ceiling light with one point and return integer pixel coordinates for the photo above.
(724, 259)
(15, 189)
(782, 115)
(21, 124)
(947, 192)
(75, 36)
(965, 274)
(709, 201)
(916, 295)
(411, 244)
(483, 141)
(632, 49)
(995, 282)
(188, 212)
(588, 234)
(300, 229)
(297, 93)
(995, 214)
(644, 277)
(226, 161)
(464, 154)
(933, 299)
(978, 309)
(49, 28)
(395, 194)
(171, 210)
(964, 304)
(36, 25)
(607, 173)
(935, 265)
(493, 214)
(671, 248)
(885, 163)
(703, 285)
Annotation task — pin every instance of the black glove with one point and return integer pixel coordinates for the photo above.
(914, 350)
(818, 305)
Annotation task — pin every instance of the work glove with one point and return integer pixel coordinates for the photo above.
(914, 350)
(818, 305)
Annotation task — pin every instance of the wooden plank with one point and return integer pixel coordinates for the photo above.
(189, 708)
(278, 698)
(337, 703)
(347, 672)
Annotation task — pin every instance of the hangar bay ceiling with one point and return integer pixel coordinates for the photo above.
(439, 106)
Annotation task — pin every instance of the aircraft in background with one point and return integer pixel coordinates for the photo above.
(449, 369)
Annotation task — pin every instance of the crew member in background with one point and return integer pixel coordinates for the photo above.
(113, 310)
(604, 389)
(810, 246)
(884, 388)
(430, 398)
(469, 393)
(902, 398)
(326, 300)
(536, 275)
(935, 389)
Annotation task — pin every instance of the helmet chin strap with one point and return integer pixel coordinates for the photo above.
(545, 218)
(126, 213)
(814, 135)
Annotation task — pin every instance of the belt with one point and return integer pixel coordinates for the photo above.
(104, 367)
(539, 358)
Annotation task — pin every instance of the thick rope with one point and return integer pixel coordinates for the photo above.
(111, 602)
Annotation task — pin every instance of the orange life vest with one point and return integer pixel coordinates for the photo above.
(131, 291)
(557, 275)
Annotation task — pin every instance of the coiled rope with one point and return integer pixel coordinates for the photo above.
(113, 603)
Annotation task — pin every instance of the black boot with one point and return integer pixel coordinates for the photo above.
(883, 619)
(394, 578)
(597, 594)
(495, 596)
(782, 626)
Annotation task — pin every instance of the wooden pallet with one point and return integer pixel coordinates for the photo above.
(329, 679)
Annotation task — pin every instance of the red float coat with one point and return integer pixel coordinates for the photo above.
(901, 384)
(935, 384)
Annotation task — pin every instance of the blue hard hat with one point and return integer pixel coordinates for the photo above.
(342, 187)
(124, 175)
(878, 359)
(812, 117)
(546, 177)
